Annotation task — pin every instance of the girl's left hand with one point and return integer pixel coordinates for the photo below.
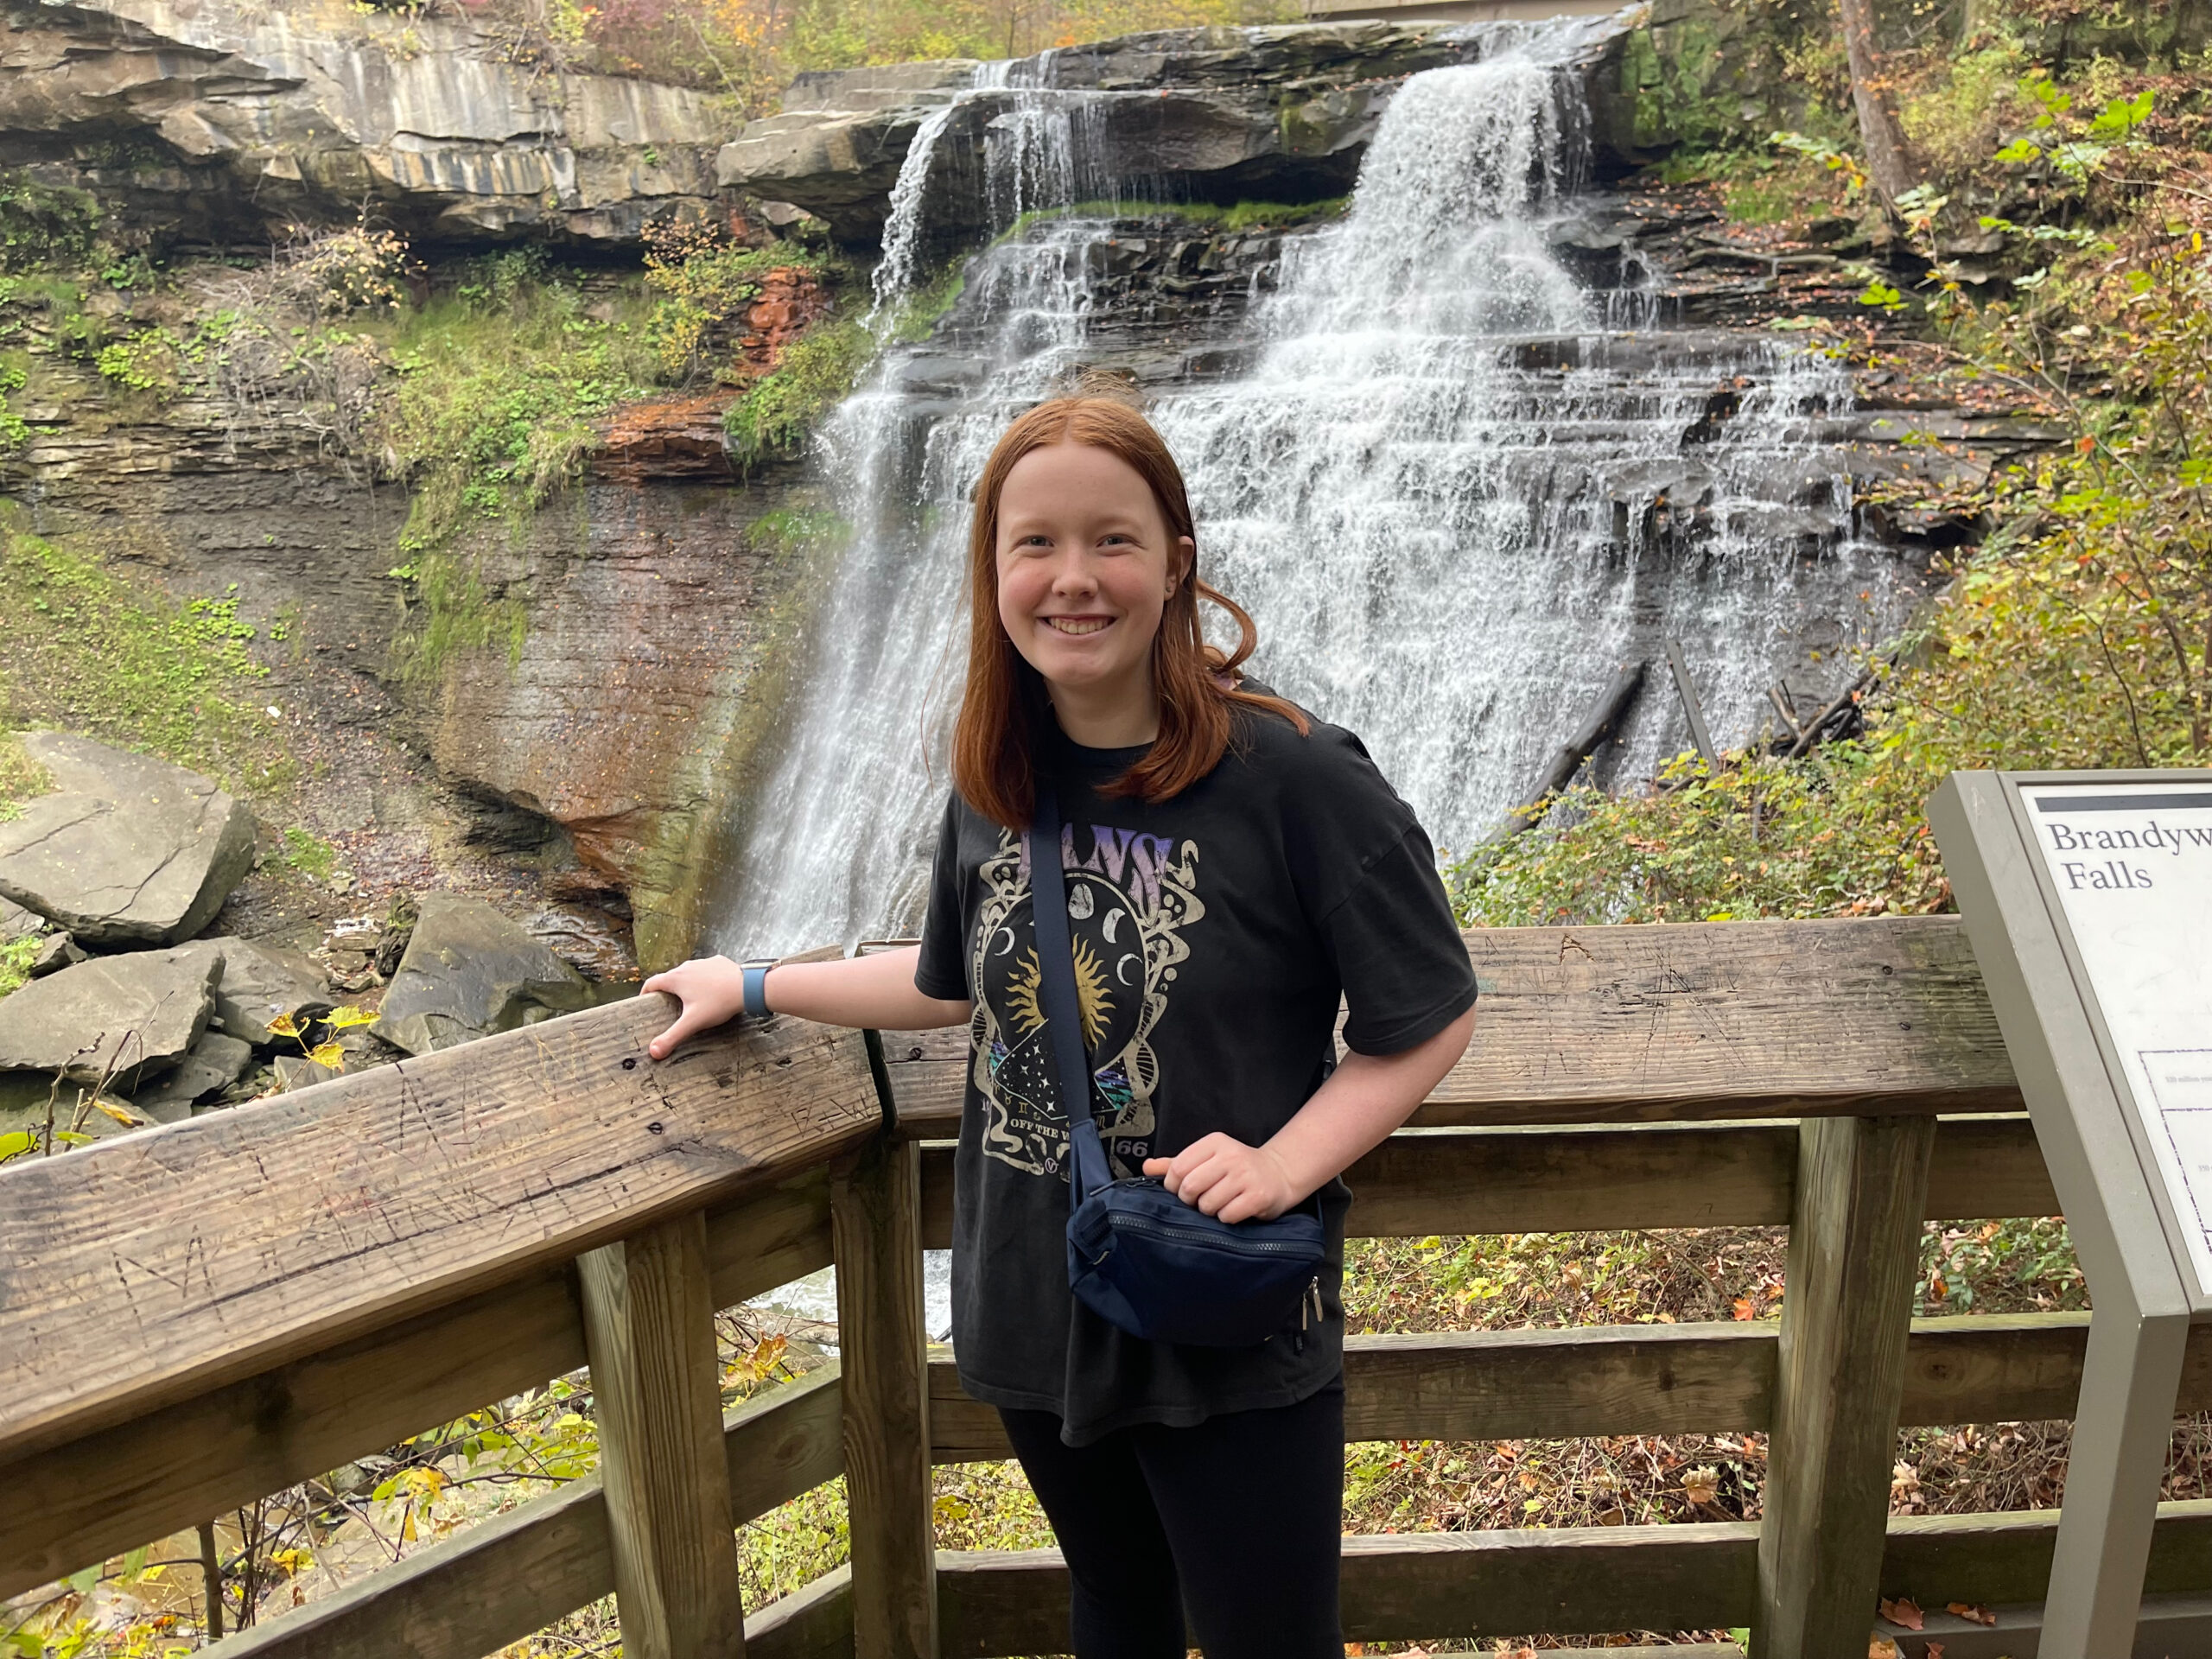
(1227, 1179)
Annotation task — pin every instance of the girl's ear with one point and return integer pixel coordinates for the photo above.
(1179, 572)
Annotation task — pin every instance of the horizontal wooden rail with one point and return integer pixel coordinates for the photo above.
(515, 1573)
(1561, 1383)
(1428, 1181)
(119, 1487)
(505, 1578)
(358, 1203)
(1724, 1019)
(1577, 1581)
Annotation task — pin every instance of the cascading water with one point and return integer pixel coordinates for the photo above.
(1453, 487)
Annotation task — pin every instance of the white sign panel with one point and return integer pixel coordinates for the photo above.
(2132, 864)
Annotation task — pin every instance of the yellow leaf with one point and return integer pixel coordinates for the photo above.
(346, 1018)
(281, 1025)
(117, 1113)
(328, 1054)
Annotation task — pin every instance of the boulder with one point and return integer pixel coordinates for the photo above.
(214, 1062)
(242, 119)
(259, 984)
(59, 951)
(469, 972)
(127, 849)
(16, 921)
(139, 1012)
(298, 1072)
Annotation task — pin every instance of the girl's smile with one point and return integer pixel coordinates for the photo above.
(1086, 565)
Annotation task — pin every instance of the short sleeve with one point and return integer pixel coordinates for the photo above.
(1398, 951)
(943, 971)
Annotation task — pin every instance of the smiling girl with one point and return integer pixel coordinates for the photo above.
(1234, 869)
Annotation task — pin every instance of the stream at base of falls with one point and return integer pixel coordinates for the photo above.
(1458, 476)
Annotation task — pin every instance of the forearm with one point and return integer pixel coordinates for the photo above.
(877, 990)
(1365, 1098)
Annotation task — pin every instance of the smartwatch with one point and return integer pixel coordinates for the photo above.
(756, 989)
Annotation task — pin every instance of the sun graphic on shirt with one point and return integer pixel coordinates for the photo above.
(1024, 995)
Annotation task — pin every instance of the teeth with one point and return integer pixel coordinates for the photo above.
(1074, 624)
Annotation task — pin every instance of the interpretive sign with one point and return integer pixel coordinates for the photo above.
(2088, 899)
(2131, 868)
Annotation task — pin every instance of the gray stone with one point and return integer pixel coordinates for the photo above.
(214, 1062)
(469, 972)
(24, 1098)
(260, 982)
(16, 921)
(246, 118)
(141, 1013)
(128, 850)
(297, 1071)
(60, 951)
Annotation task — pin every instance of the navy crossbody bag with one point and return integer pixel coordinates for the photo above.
(1138, 1257)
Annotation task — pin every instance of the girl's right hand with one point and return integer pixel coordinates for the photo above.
(711, 990)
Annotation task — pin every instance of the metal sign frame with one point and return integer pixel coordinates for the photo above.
(2094, 1137)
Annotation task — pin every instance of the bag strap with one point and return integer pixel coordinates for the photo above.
(1063, 1010)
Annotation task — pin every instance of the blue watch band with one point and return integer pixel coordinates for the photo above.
(756, 989)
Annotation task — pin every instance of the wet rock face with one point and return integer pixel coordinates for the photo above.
(128, 850)
(1280, 114)
(627, 713)
(214, 120)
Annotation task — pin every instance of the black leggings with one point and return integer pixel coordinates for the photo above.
(1239, 1517)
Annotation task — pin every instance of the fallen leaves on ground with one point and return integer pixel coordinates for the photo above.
(1904, 1612)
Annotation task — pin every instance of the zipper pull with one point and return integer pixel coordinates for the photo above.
(1314, 1291)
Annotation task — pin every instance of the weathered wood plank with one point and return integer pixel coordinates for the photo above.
(649, 1332)
(1633, 1379)
(503, 1578)
(1727, 1020)
(1988, 1169)
(1421, 1586)
(1935, 1558)
(491, 1584)
(315, 1216)
(1662, 1379)
(113, 1489)
(814, 1623)
(1577, 1179)
(875, 1210)
(1855, 1247)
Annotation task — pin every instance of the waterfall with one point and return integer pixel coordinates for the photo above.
(1455, 487)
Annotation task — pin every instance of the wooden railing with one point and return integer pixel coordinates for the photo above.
(199, 1315)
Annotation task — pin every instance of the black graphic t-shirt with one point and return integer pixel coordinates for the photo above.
(1213, 935)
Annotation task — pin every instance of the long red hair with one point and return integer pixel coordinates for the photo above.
(1005, 712)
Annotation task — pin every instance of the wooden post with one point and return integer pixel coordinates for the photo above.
(649, 1331)
(1854, 1252)
(875, 1222)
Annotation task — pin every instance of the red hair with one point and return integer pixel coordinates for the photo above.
(1005, 712)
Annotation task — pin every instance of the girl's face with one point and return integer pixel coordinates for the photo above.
(1085, 567)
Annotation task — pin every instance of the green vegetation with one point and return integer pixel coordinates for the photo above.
(22, 778)
(306, 854)
(781, 408)
(41, 227)
(2076, 635)
(16, 956)
(90, 651)
(705, 278)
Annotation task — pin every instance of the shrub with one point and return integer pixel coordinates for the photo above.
(817, 370)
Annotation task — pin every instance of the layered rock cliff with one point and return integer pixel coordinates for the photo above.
(211, 122)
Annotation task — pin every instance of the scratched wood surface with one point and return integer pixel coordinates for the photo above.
(114, 1489)
(1722, 1020)
(157, 1265)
